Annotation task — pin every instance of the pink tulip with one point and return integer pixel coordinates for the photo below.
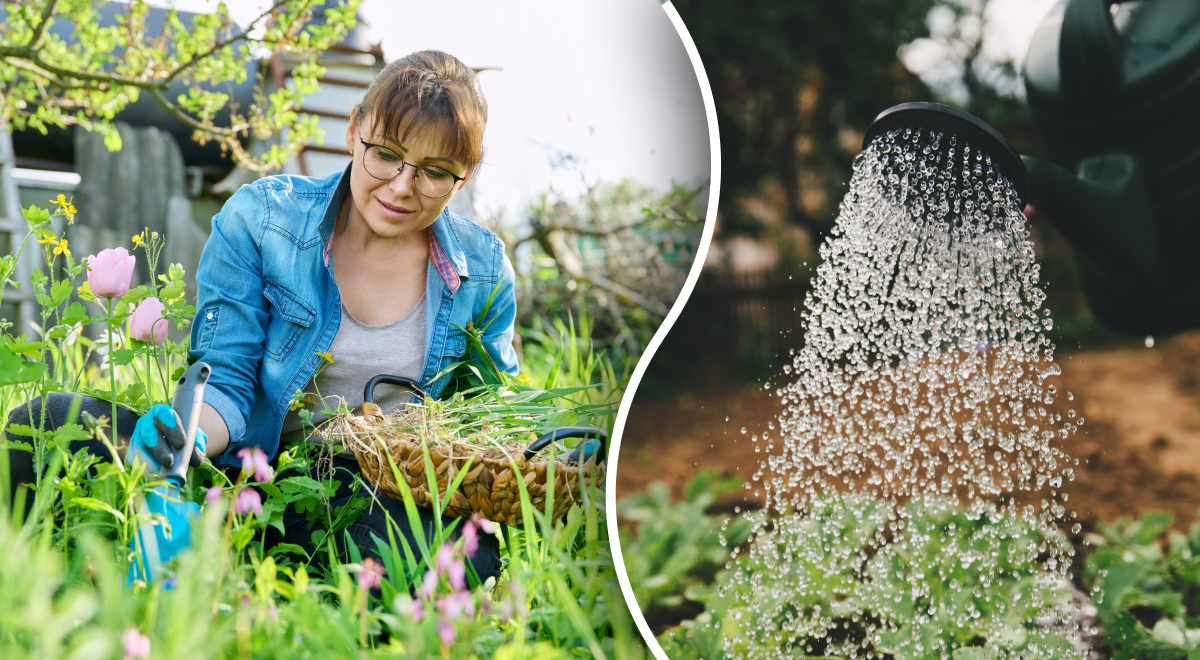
(147, 322)
(109, 272)
(136, 644)
(248, 500)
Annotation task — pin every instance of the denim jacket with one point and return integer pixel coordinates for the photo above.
(267, 301)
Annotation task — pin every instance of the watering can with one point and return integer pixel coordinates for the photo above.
(154, 543)
(1115, 93)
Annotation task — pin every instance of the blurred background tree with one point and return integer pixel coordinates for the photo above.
(612, 260)
(796, 84)
(59, 67)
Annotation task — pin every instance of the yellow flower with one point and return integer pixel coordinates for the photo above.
(62, 248)
(298, 400)
(68, 209)
(49, 238)
(327, 356)
(137, 241)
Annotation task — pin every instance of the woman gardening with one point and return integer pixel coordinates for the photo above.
(308, 287)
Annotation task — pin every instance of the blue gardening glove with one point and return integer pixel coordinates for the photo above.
(152, 433)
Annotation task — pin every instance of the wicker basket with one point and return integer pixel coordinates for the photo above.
(490, 487)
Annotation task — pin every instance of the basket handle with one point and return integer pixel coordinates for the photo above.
(368, 393)
(569, 432)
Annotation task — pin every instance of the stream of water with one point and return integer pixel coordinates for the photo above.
(924, 388)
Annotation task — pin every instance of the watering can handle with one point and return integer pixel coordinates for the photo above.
(568, 432)
(368, 393)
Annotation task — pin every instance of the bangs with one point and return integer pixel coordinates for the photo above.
(445, 115)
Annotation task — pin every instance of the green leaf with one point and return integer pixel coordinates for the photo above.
(123, 356)
(96, 505)
(36, 216)
(15, 371)
(59, 292)
(242, 536)
(68, 433)
(175, 271)
(29, 349)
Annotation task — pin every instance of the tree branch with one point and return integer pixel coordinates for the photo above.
(26, 66)
(182, 116)
(47, 13)
(29, 54)
(222, 44)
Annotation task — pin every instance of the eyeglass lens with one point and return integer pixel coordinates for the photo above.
(385, 164)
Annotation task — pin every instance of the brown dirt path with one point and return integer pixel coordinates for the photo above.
(1139, 448)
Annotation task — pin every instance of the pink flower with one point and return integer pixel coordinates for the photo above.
(455, 604)
(147, 322)
(444, 557)
(428, 585)
(254, 460)
(109, 272)
(248, 500)
(458, 574)
(484, 524)
(470, 539)
(136, 644)
(213, 494)
(370, 575)
(418, 610)
(446, 632)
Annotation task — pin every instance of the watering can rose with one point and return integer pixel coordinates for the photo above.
(109, 272)
(147, 322)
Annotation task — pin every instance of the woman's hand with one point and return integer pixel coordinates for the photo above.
(156, 433)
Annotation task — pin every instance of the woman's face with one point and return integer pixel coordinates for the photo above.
(395, 207)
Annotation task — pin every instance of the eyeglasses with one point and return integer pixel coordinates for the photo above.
(385, 165)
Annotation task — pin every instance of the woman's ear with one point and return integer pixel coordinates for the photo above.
(351, 130)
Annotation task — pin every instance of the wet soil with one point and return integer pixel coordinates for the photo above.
(1138, 450)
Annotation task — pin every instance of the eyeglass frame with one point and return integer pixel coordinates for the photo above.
(403, 164)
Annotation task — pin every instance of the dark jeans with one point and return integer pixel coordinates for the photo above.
(372, 522)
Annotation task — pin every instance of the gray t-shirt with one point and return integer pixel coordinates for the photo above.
(361, 352)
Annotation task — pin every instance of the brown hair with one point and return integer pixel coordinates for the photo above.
(429, 90)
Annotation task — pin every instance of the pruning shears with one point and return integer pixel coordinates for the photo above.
(155, 544)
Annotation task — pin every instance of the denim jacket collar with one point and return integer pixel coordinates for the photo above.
(445, 249)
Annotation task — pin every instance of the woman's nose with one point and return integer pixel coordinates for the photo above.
(404, 183)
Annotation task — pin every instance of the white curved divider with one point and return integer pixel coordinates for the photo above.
(710, 219)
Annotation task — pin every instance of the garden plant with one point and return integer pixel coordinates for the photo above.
(67, 535)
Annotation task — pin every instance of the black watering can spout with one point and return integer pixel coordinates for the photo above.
(1114, 98)
(950, 121)
(1091, 52)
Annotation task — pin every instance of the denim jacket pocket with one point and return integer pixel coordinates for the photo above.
(289, 317)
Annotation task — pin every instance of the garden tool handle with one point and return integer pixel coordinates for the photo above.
(368, 393)
(189, 395)
(569, 432)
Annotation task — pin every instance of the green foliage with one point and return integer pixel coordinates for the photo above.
(826, 587)
(63, 591)
(795, 85)
(678, 548)
(85, 81)
(617, 255)
(1147, 583)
